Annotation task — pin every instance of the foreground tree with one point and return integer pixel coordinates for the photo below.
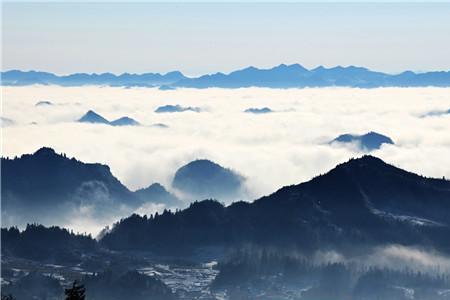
(76, 292)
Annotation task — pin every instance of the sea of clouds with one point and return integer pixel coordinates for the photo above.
(271, 150)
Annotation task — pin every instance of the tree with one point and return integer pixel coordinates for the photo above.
(77, 292)
(8, 297)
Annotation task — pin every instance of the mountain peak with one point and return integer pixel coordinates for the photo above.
(365, 160)
(202, 179)
(319, 68)
(296, 67)
(92, 117)
(250, 68)
(156, 187)
(157, 193)
(367, 142)
(39, 187)
(363, 164)
(203, 165)
(174, 74)
(91, 113)
(124, 121)
(45, 151)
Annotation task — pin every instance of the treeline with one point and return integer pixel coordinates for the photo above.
(360, 202)
(107, 285)
(277, 220)
(210, 223)
(249, 272)
(38, 242)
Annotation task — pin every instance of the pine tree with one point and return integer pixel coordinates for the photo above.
(77, 292)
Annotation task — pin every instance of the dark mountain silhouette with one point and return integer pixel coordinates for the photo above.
(156, 193)
(367, 142)
(175, 108)
(46, 187)
(364, 202)
(20, 78)
(93, 117)
(51, 244)
(263, 110)
(248, 273)
(129, 285)
(35, 286)
(76, 292)
(124, 121)
(282, 76)
(201, 179)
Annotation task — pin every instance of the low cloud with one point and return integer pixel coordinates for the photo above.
(270, 150)
(395, 257)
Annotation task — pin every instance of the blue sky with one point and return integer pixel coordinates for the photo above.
(203, 38)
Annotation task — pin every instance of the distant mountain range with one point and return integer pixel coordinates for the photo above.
(18, 78)
(282, 76)
(175, 108)
(361, 203)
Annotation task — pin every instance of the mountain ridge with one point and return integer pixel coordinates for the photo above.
(46, 186)
(281, 76)
(363, 202)
(51, 188)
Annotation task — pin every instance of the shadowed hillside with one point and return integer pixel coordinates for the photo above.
(202, 179)
(364, 201)
(47, 187)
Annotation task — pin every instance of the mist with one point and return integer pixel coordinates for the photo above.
(287, 146)
(394, 257)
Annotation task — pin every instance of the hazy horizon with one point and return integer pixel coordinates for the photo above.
(205, 38)
(230, 71)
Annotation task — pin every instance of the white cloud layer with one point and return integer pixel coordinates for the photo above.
(271, 150)
(392, 256)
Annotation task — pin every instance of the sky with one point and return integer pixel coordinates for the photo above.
(210, 37)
